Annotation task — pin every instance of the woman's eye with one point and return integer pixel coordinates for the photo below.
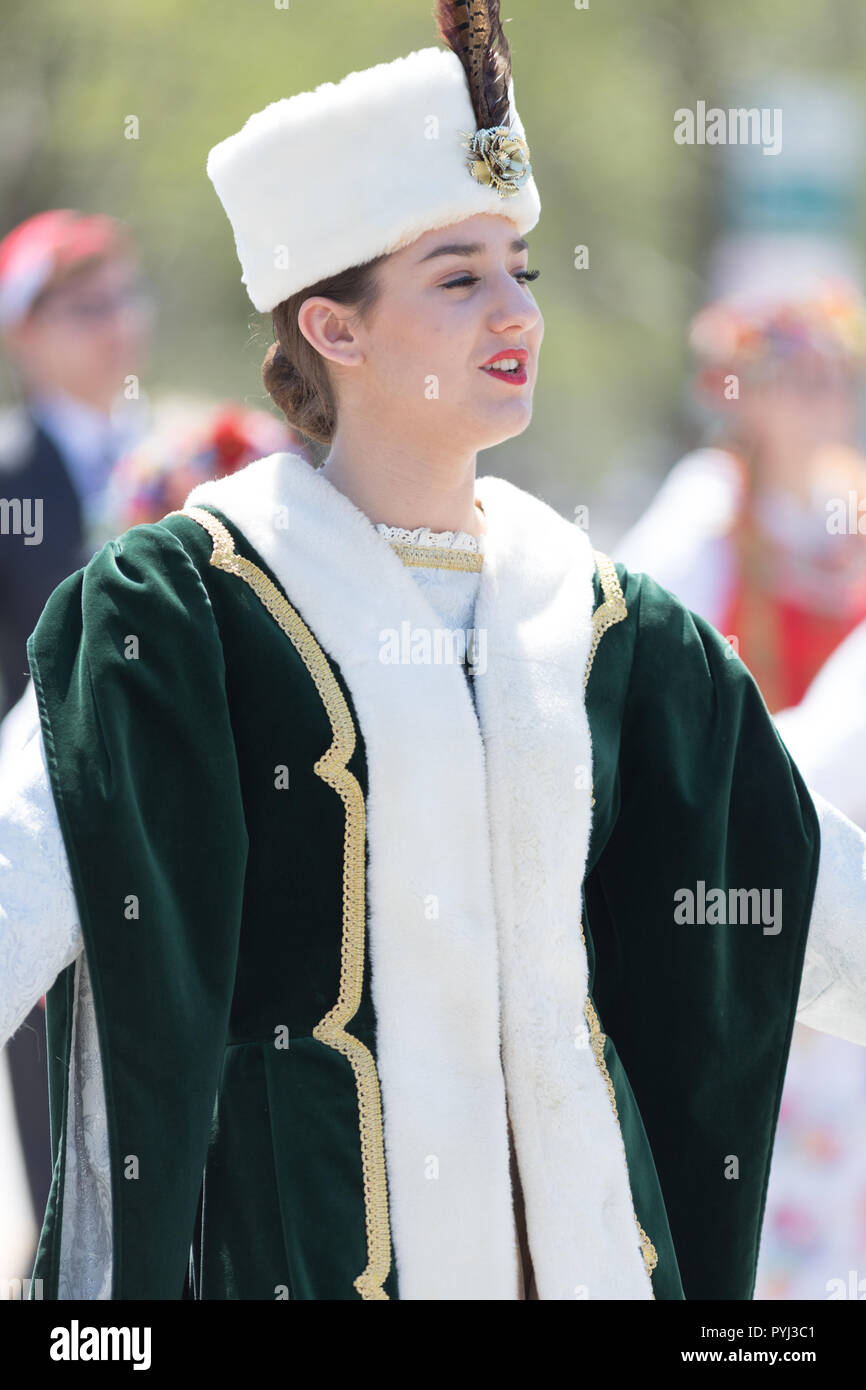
(523, 275)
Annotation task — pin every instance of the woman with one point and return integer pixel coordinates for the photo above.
(377, 841)
(748, 531)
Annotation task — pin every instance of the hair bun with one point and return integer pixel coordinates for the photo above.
(293, 394)
(280, 367)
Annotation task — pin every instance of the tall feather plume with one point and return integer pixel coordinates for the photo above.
(473, 29)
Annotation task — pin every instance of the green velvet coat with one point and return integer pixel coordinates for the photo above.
(211, 913)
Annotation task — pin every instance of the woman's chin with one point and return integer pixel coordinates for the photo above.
(509, 419)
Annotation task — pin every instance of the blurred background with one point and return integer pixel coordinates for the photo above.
(700, 389)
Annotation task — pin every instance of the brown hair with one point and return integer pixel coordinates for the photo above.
(295, 374)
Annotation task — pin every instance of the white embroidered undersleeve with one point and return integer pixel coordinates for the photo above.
(833, 986)
(39, 930)
(40, 935)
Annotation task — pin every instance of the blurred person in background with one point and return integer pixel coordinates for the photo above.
(75, 319)
(746, 532)
(742, 530)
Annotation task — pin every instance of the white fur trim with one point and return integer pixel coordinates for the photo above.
(497, 830)
(333, 177)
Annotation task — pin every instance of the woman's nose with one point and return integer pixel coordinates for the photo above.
(516, 306)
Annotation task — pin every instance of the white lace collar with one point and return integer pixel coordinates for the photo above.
(422, 535)
(435, 549)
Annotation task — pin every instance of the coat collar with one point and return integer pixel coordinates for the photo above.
(478, 831)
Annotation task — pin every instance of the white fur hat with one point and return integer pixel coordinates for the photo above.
(334, 177)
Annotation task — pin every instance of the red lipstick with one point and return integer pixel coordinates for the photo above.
(516, 376)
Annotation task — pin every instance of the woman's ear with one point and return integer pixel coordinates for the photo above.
(327, 326)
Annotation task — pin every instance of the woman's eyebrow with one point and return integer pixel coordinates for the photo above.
(469, 248)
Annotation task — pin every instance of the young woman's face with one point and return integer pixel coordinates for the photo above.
(450, 301)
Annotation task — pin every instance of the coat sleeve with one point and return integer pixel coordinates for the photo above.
(39, 930)
(699, 907)
(129, 671)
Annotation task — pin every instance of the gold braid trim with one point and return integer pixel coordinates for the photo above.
(611, 611)
(332, 769)
(438, 556)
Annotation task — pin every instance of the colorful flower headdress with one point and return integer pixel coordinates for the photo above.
(829, 322)
(190, 444)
